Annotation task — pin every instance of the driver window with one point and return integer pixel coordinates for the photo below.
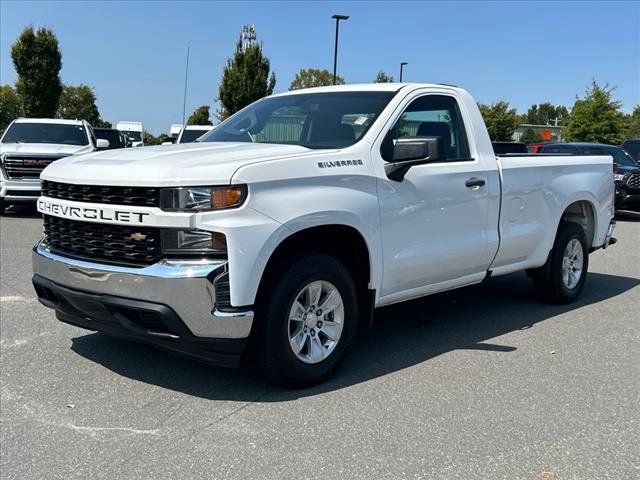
(435, 116)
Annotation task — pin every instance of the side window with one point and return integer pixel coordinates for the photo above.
(435, 116)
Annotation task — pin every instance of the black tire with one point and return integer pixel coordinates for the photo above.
(548, 279)
(2, 206)
(271, 341)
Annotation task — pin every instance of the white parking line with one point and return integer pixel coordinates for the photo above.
(12, 298)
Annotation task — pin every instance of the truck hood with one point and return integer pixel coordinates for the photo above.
(179, 165)
(44, 148)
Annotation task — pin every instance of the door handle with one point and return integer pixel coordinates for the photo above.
(475, 183)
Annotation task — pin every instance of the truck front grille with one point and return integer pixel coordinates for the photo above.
(634, 181)
(26, 166)
(138, 196)
(102, 242)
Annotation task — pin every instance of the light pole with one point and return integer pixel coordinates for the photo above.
(335, 51)
(402, 64)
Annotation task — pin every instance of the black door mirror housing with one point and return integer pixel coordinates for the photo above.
(411, 151)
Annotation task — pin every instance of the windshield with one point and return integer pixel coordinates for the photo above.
(46, 133)
(189, 136)
(312, 120)
(622, 158)
(133, 136)
(113, 136)
(633, 148)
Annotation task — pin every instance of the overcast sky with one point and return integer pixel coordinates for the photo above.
(133, 53)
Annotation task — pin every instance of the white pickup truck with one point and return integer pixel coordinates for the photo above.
(28, 145)
(294, 219)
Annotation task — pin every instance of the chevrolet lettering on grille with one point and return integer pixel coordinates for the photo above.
(73, 212)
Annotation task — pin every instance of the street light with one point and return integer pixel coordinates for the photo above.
(335, 51)
(402, 64)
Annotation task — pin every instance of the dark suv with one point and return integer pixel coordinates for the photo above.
(626, 170)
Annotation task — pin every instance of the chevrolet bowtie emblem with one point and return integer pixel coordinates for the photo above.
(138, 237)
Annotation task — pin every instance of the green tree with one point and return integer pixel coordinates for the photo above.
(501, 121)
(530, 136)
(200, 116)
(546, 114)
(633, 124)
(37, 61)
(150, 139)
(596, 117)
(313, 77)
(383, 77)
(10, 107)
(247, 77)
(78, 102)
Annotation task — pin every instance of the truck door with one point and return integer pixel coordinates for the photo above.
(434, 221)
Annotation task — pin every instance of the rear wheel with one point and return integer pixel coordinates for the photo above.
(306, 321)
(561, 279)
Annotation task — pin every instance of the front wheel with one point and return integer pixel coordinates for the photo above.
(561, 279)
(306, 321)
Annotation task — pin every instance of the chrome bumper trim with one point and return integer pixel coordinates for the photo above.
(184, 286)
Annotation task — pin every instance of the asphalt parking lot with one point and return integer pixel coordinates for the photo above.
(484, 382)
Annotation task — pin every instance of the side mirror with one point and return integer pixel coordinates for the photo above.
(410, 151)
(102, 144)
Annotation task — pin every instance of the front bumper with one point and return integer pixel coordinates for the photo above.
(170, 304)
(18, 191)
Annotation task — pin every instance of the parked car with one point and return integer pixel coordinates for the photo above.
(535, 147)
(632, 147)
(626, 170)
(115, 137)
(134, 131)
(294, 230)
(28, 145)
(505, 148)
(191, 133)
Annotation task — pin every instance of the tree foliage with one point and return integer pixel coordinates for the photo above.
(633, 124)
(546, 114)
(10, 106)
(79, 102)
(501, 121)
(530, 136)
(200, 116)
(150, 139)
(596, 117)
(245, 79)
(314, 77)
(383, 77)
(37, 61)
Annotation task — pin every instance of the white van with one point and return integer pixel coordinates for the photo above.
(133, 131)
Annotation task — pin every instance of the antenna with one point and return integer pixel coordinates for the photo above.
(248, 35)
(186, 77)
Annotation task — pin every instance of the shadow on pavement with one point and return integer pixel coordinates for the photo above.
(402, 335)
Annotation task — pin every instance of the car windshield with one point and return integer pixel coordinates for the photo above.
(190, 135)
(621, 157)
(133, 136)
(113, 136)
(57, 133)
(312, 120)
(633, 148)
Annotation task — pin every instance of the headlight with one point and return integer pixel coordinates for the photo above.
(618, 177)
(193, 242)
(197, 199)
